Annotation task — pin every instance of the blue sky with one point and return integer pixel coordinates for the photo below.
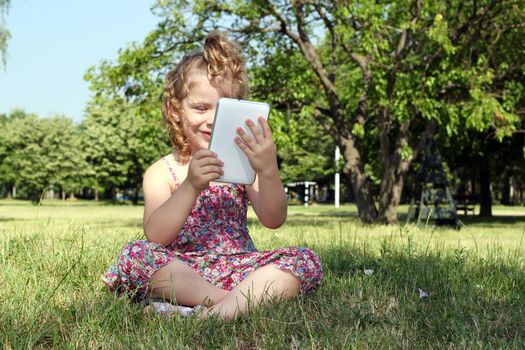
(54, 42)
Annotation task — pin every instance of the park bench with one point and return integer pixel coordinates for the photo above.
(465, 202)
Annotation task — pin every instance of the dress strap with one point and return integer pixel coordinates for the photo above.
(172, 171)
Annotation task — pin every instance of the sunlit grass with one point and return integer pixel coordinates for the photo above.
(52, 256)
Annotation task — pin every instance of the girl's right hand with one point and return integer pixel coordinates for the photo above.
(203, 168)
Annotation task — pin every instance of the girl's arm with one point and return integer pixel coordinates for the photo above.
(267, 193)
(268, 200)
(165, 213)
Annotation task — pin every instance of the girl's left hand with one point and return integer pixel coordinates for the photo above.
(260, 150)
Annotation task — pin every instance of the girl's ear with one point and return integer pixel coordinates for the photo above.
(176, 116)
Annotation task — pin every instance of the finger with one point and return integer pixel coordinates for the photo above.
(210, 161)
(203, 153)
(267, 132)
(212, 169)
(242, 145)
(257, 132)
(248, 141)
(212, 176)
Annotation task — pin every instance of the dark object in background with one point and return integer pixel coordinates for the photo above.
(431, 201)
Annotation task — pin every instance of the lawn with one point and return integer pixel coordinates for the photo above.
(384, 287)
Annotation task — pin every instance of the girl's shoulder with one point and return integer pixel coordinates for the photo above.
(167, 169)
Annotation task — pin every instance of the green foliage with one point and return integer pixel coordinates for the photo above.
(304, 149)
(373, 76)
(120, 141)
(36, 154)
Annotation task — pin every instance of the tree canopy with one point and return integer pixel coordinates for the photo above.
(119, 142)
(37, 154)
(376, 79)
(379, 78)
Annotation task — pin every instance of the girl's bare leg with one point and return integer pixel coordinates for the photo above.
(265, 283)
(179, 283)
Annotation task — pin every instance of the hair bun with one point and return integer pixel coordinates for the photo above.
(223, 56)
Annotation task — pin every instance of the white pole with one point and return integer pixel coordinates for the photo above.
(337, 185)
(306, 194)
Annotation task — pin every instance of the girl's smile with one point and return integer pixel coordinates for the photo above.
(206, 134)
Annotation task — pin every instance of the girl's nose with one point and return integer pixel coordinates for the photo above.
(210, 117)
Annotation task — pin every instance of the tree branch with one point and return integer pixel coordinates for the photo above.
(321, 115)
(333, 40)
(416, 6)
(462, 29)
(429, 131)
(305, 45)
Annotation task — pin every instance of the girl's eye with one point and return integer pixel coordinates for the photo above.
(200, 108)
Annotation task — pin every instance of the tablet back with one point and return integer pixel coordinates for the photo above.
(229, 115)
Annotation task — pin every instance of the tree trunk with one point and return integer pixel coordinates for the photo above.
(394, 171)
(505, 196)
(354, 170)
(485, 198)
(391, 188)
(136, 196)
(350, 192)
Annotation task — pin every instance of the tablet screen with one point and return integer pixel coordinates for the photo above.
(229, 115)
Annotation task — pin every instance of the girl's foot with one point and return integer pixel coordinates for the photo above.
(167, 309)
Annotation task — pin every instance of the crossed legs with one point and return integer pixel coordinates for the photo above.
(263, 284)
(178, 282)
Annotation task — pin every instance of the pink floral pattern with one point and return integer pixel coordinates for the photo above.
(215, 243)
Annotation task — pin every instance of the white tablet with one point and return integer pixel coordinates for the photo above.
(229, 115)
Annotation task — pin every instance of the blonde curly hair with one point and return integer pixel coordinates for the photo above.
(221, 60)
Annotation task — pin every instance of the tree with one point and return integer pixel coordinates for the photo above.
(4, 33)
(119, 142)
(380, 78)
(305, 151)
(41, 153)
(481, 162)
(7, 174)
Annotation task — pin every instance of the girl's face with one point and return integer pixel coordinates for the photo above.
(198, 112)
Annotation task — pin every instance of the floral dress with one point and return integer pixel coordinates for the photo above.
(214, 241)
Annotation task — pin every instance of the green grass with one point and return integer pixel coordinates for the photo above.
(51, 296)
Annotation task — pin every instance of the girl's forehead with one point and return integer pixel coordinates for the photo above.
(198, 80)
(200, 86)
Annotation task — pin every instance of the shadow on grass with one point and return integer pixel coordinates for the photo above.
(480, 221)
(7, 219)
(469, 300)
(14, 203)
(495, 220)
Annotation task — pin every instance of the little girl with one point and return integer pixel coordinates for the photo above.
(198, 250)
